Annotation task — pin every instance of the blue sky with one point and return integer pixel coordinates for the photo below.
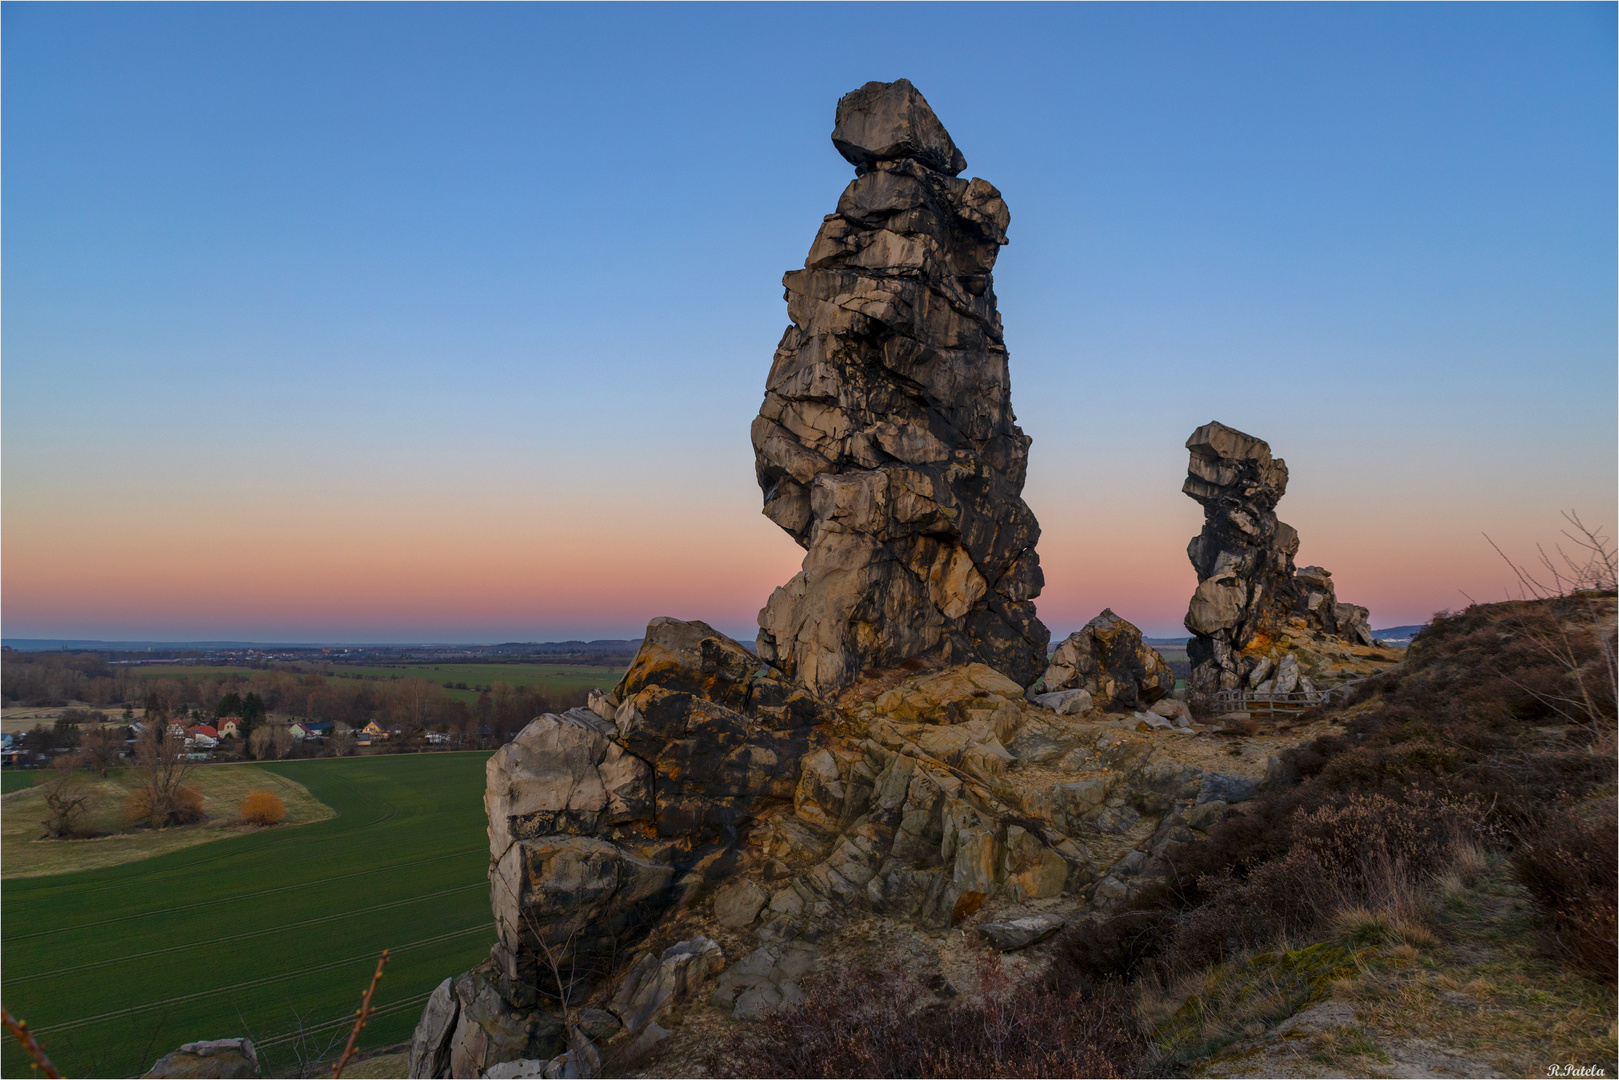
(393, 322)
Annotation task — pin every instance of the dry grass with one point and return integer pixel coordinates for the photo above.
(220, 788)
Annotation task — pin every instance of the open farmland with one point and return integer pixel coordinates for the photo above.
(260, 934)
(460, 681)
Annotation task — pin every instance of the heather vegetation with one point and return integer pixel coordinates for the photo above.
(1447, 851)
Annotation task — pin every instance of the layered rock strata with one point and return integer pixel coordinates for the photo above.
(1253, 611)
(886, 445)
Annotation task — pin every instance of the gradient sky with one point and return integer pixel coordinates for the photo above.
(399, 323)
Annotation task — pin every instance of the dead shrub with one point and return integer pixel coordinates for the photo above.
(871, 1021)
(1570, 867)
(263, 808)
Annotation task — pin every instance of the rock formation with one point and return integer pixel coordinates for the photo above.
(886, 444)
(1250, 602)
(1110, 662)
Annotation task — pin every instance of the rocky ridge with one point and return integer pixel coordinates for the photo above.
(886, 445)
(693, 841)
(1256, 621)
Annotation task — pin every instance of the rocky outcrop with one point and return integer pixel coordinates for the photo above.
(602, 821)
(221, 1058)
(886, 445)
(1109, 660)
(1252, 608)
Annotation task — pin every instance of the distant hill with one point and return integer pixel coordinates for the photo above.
(1398, 635)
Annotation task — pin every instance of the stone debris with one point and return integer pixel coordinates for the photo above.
(1254, 617)
(658, 983)
(1109, 659)
(886, 445)
(221, 1058)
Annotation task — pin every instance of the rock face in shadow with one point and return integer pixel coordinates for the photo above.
(603, 821)
(886, 445)
(1250, 601)
(1110, 660)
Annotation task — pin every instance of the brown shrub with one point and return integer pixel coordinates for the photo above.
(263, 808)
(1570, 866)
(870, 1021)
(181, 806)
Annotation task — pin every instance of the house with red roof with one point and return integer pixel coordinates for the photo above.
(230, 726)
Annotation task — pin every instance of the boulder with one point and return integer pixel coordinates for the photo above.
(658, 983)
(886, 445)
(1249, 593)
(490, 1028)
(1109, 659)
(1173, 710)
(1020, 933)
(1073, 702)
(209, 1058)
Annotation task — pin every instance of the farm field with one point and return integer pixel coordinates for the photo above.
(222, 788)
(263, 934)
(17, 780)
(553, 677)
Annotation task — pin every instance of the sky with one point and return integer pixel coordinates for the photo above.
(378, 323)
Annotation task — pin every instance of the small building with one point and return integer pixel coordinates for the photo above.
(230, 727)
(374, 730)
(205, 729)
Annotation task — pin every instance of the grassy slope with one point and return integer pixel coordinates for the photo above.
(222, 788)
(115, 967)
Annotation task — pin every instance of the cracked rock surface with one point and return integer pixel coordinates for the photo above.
(886, 445)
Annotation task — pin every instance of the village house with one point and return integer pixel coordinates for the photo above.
(230, 727)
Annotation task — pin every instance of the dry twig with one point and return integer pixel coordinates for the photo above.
(360, 1017)
(19, 1031)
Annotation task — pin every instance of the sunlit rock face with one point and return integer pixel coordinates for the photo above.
(1252, 608)
(886, 444)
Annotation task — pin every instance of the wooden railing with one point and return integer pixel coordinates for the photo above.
(1294, 701)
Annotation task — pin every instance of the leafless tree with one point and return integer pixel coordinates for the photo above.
(161, 797)
(1582, 579)
(67, 800)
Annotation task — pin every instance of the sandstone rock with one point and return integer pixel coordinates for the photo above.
(430, 1044)
(737, 904)
(1173, 710)
(764, 980)
(658, 983)
(1226, 789)
(1020, 933)
(490, 1029)
(1075, 702)
(1110, 659)
(886, 444)
(209, 1058)
(1249, 591)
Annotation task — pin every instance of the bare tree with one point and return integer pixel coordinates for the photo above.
(99, 748)
(160, 797)
(66, 798)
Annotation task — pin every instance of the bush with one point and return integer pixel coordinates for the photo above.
(263, 808)
(183, 806)
(885, 1021)
(1570, 867)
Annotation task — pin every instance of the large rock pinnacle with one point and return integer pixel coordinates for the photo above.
(886, 444)
(1249, 595)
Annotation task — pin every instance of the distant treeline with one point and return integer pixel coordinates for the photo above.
(411, 704)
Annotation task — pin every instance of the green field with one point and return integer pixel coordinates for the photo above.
(263, 934)
(545, 676)
(17, 779)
